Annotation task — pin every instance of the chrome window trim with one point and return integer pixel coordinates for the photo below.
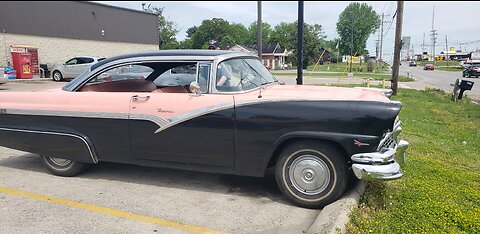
(209, 78)
(156, 58)
(108, 66)
(94, 158)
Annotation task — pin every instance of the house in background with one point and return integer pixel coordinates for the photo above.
(273, 55)
(325, 55)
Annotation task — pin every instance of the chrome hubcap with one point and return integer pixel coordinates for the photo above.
(60, 161)
(309, 175)
(56, 76)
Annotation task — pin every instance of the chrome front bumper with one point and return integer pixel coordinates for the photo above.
(384, 164)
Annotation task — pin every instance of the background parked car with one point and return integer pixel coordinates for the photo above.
(429, 67)
(73, 67)
(473, 70)
(412, 64)
(10, 72)
(7, 73)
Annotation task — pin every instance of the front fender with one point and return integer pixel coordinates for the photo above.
(344, 140)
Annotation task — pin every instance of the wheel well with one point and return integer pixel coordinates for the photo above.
(276, 152)
(53, 72)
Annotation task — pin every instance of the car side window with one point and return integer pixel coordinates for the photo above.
(87, 60)
(126, 72)
(72, 61)
(181, 75)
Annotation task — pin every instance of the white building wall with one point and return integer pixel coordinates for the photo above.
(58, 50)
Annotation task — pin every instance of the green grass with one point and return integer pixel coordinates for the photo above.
(440, 189)
(452, 69)
(451, 63)
(341, 67)
(339, 74)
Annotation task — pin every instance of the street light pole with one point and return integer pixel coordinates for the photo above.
(351, 43)
(259, 29)
(300, 44)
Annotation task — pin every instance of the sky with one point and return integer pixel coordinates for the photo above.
(457, 20)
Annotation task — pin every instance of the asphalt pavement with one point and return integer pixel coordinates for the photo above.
(439, 79)
(118, 198)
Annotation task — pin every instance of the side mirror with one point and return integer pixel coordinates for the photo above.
(195, 88)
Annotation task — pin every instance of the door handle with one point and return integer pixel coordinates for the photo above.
(136, 98)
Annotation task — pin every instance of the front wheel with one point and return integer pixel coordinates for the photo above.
(63, 167)
(57, 76)
(311, 174)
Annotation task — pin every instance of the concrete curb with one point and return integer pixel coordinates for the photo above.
(334, 217)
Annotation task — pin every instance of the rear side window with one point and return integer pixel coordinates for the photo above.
(126, 72)
(85, 60)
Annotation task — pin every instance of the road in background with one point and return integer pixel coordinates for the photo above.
(440, 79)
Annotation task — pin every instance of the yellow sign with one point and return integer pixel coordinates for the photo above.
(355, 59)
(452, 49)
(26, 69)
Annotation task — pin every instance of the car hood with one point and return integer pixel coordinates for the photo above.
(322, 93)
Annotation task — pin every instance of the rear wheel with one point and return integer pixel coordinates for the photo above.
(57, 76)
(311, 174)
(64, 167)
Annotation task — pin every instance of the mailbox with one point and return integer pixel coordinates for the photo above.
(460, 85)
(22, 62)
(466, 85)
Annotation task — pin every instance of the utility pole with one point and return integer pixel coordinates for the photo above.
(381, 38)
(300, 44)
(433, 34)
(396, 56)
(423, 44)
(446, 49)
(259, 29)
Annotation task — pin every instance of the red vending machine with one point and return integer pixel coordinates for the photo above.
(21, 62)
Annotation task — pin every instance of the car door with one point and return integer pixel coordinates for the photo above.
(70, 67)
(84, 64)
(182, 127)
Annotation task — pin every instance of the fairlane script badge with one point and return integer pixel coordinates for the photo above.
(359, 143)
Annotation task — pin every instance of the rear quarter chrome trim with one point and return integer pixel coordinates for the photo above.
(94, 157)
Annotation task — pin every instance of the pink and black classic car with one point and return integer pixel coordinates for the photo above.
(212, 111)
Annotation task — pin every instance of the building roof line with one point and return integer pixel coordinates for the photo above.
(117, 7)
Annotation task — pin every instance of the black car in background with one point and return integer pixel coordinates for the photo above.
(472, 70)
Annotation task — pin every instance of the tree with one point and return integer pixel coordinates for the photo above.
(191, 31)
(218, 29)
(239, 34)
(167, 30)
(314, 39)
(360, 19)
(252, 33)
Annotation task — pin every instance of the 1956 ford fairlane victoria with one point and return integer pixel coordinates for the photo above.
(213, 111)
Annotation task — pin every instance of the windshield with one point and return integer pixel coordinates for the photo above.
(242, 74)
